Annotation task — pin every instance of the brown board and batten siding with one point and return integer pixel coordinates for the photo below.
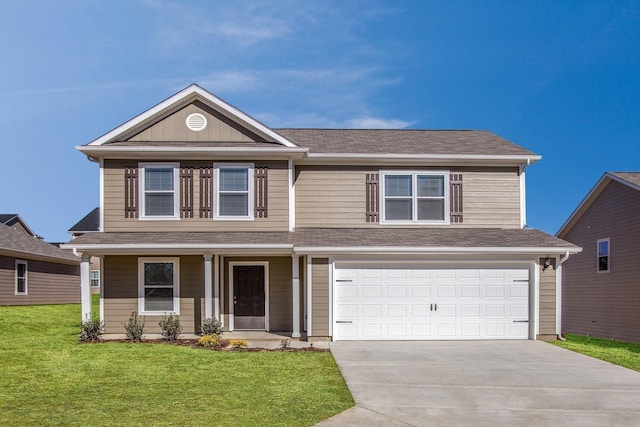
(274, 214)
(547, 316)
(173, 128)
(47, 282)
(605, 305)
(336, 196)
(320, 297)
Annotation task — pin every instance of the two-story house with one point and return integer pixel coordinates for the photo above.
(325, 233)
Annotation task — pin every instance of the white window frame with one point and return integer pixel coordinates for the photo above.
(414, 197)
(26, 277)
(92, 279)
(176, 285)
(176, 190)
(608, 240)
(250, 191)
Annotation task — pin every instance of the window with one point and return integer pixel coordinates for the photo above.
(94, 277)
(158, 285)
(415, 197)
(158, 190)
(21, 278)
(234, 191)
(603, 256)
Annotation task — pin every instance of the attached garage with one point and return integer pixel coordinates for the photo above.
(413, 301)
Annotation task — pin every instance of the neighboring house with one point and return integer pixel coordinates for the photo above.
(35, 272)
(14, 221)
(329, 233)
(601, 286)
(90, 224)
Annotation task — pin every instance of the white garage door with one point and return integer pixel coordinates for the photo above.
(420, 302)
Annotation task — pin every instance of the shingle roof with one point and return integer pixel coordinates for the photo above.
(632, 177)
(4, 218)
(91, 222)
(423, 238)
(17, 242)
(402, 141)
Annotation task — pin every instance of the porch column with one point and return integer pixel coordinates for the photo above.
(216, 287)
(295, 283)
(85, 287)
(207, 286)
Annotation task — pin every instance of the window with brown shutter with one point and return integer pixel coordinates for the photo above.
(455, 197)
(206, 192)
(186, 192)
(131, 192)
(260, 191)
(372, 197)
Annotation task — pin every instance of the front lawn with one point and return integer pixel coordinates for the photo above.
(619, 353)
(47, 378)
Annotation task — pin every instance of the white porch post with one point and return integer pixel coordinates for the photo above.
(216, 287)
(207, 286)
(295, 282)
(85, 287)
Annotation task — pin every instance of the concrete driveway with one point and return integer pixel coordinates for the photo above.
(482, 383)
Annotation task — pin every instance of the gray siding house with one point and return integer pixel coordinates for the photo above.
(601, 285)
(35, 272)
(342, 234)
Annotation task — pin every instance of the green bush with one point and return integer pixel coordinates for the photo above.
(90, 330)
(134, 327)
(211, 327)
(171, 327)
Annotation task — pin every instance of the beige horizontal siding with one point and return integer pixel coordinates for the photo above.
(335, 197)
(320, 297)
(173, 128)
(605, 304)
(278, 204)
(47, 283)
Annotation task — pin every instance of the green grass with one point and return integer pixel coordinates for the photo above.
(619, 353)
(48, 378)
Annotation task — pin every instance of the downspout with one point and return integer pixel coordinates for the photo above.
(523, 197)
(559, 292)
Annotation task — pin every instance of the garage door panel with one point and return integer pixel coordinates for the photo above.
(417, 302)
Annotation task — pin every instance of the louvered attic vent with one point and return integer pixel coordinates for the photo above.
(196, 122)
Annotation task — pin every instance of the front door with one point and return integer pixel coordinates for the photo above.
(249, 297)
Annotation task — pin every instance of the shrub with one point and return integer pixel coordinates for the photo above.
(171, 327)
(90, 330)
(211, 327)
(239, 343)
(134, 327)
(285, 343)
(209, 341)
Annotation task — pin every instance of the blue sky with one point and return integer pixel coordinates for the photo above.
(559, 78)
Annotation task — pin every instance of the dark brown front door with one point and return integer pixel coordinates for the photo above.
(248, 297)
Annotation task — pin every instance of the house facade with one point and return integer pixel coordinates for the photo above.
(324, 233)
(35, 272)
(601, 289)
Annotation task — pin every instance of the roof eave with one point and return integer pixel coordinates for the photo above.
(182, 153)
(435, 159)
(410, 250)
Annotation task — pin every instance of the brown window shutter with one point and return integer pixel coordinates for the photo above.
(131, 192)
(455, 197)
(206, 192)
(372, 197)
(260, 191)
(186, 192)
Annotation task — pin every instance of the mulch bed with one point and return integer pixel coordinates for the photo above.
(194, 344)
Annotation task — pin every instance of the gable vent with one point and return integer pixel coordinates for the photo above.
(196, 122)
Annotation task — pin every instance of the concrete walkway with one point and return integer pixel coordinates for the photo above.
(482, 383)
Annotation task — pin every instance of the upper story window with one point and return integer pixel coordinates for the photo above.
(234, 191)
(415, 197)
(21, 277)
(603, 255)
(159, 186)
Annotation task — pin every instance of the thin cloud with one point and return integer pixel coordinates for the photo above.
(377, 123)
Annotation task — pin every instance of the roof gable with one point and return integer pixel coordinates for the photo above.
(12, 219)
(630, 179)
(18, 243)
(90, 223)
(166, 122)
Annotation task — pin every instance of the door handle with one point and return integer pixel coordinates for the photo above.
(436, 307)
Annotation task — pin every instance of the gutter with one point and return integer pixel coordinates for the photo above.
(559, 292)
